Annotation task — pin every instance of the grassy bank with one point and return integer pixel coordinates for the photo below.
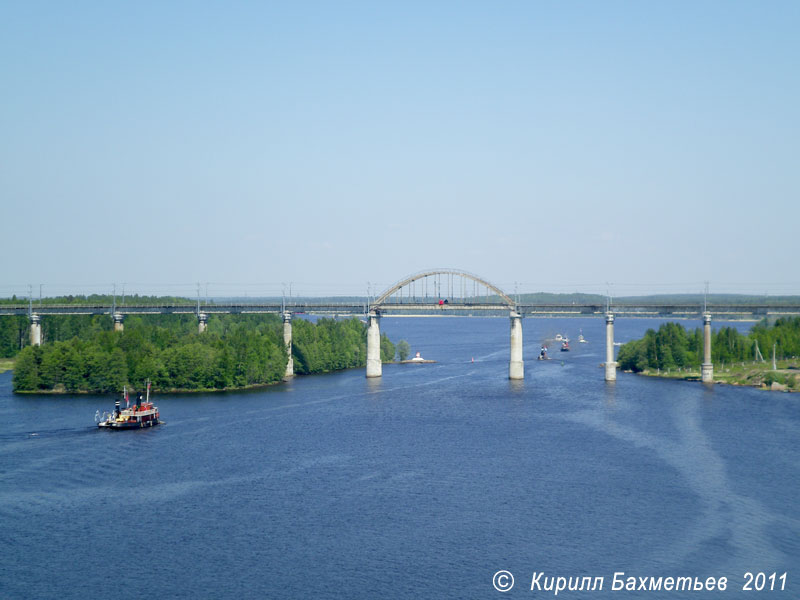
(6, 364)
(754, 374)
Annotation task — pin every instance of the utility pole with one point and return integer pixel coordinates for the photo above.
(758, 356)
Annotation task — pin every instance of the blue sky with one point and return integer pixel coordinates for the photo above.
(559, 145)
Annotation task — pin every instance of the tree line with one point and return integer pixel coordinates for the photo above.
(236, 351)
(99, 299)
(15, 330)
(672, 346)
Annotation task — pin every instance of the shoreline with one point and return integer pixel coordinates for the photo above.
(152, 390)
(737, 378)
(253, 387)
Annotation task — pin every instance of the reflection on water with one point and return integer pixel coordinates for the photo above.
(516, 386)
(374, 384)
(610, 392)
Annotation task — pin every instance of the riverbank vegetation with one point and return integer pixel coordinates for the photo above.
(672, 351)
(83, 354)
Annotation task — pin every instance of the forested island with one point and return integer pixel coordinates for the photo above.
(83, 354)
(672, 351)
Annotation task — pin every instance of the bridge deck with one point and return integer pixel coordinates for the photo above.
(410, 308)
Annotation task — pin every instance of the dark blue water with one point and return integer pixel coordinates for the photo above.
(421, 484)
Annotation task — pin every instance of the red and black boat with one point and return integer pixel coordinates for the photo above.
(142, 414)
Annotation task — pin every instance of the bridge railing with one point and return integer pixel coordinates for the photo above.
(427, 306)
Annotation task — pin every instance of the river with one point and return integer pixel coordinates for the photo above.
(421, 484)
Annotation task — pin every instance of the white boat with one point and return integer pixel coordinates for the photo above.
(418, 360)
(581, 339)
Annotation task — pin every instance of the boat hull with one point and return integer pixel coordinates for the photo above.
(114, 425)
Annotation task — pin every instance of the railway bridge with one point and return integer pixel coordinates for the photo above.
(432, 292)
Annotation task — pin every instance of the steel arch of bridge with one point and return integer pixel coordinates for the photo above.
(380, 301)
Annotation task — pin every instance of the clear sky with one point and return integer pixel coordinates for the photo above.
(560, 145)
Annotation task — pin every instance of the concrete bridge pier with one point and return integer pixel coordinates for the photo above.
(36, 330)
(374, 366)
(611, 365)
(202, 322)
(287, 341)
(516, 367)
(707, 368)
(118, 318)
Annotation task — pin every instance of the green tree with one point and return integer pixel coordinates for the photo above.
(74, 366)
(387, 349)
(240, 350)
(26, 370)
(403, 350)
(13, 335)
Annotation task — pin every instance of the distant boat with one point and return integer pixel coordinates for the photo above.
(418, 360)
(581, 338)
(565, 346)
(559, 337)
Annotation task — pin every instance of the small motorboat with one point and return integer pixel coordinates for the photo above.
(565, 346)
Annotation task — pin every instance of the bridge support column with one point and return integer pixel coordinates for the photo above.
(707, 368)
(118, 318)
(287, 341)
(36, 330)
(516, 367)
(202, 322)
(611, 365)
(374, 366)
